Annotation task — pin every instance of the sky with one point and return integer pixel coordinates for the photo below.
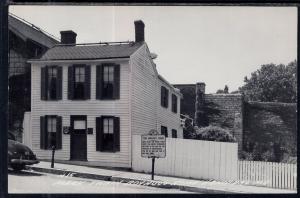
(215, 45)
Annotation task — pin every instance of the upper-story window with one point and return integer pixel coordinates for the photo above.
(164, 97)
(174, 103)
(51, 83)
(79, 80)
(108, 81)
(79, 83)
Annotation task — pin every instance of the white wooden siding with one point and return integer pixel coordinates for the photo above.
(147, 112)
(143, 98)
(92, 108)
(166, 117)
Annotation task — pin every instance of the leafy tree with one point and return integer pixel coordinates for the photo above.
(214, 133)
(224, 91)
(272, 83)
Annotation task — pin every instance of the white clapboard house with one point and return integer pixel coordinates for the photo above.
(89, 99)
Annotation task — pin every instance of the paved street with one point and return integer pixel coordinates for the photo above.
(34, 182)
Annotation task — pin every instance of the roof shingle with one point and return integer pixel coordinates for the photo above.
(88, 52)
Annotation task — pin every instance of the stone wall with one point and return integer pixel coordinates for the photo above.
(262, 122)
(226, 111)
(270, 123)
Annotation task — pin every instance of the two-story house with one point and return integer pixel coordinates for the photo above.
(89, 99)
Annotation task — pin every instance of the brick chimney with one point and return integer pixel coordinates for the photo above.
(68, 37)
(200, 119)
(139, 31)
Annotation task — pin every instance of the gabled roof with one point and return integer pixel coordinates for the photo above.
(26, 30)
(91, 51)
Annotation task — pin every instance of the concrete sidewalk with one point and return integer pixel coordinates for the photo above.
(192, 185)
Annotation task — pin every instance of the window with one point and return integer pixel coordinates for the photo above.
(79, 79)
(174, 133)
(108, 133)
(50, 132)
(51, 83)
(108, 81)
(174, 103)
(79, 82)
(164, 97)
(164, 131)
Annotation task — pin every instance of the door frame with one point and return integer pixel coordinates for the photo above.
(72, 119)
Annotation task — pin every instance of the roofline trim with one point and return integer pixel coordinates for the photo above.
(77, 60)
(171, 86)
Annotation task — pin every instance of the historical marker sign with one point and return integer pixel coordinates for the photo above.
(153, 145)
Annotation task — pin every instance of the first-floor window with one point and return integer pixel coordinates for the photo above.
(164, 131)
(51, 131)
(50, 134)
(108, 133)
(174, 133)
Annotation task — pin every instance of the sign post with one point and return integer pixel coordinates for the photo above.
(153, 146)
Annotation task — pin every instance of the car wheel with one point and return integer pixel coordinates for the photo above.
(18, 167)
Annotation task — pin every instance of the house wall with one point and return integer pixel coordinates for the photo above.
(166, 117)
(147, 112)
(92, 108)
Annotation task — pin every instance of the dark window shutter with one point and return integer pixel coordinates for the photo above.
(116, 134)
(59, 83)
(43, 132)
(162, 93)
(58, 132)
(174, 103)
(116, 89)
(70, 82)
(167, 98)
(99, 77)
(44, 83)
(87, 88)
(99, 133)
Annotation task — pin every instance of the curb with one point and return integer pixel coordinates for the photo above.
(156, 184)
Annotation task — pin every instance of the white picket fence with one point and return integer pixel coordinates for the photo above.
(191, 158)
(270, 174)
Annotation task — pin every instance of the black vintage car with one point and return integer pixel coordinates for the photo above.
(19, 155)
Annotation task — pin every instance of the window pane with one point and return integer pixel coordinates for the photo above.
(111, 77)
(111, 126)
(77, 70)
(79, 124)
(105, 126)
(51, 126)
(105, 77)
